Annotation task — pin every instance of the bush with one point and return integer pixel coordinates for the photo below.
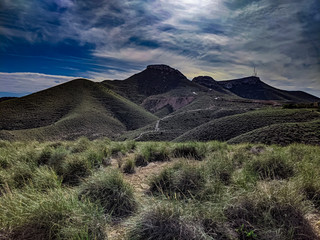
(111, 191)
(276, 214)
(45, 156)
(95, 158)
(74, 170)
(56, 160)
(81, 145)
(129, 166)
(166, 223)
(45, 178)
(272, 166)
(120, 147)
(152, 152)
(52, 215)
(140, 161)
(189, 150)
(181, 180)
(219, 167)
(20, 175)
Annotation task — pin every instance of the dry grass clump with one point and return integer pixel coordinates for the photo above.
(180, 181)
(164, 222)
(55, 214)
(110, 191)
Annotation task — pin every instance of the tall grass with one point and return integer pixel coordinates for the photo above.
(63, 190)
(55, 214)
(108, 189)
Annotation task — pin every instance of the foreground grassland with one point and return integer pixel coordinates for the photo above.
(145, 190)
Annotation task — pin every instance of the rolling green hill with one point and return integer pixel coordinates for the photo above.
(232, 126)
(70, 110)
(283, 134)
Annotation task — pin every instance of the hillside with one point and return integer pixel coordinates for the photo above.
(230, 127)
(157, 104)
(254, 88)
(283, 134)
(203, 109)
(70, 110)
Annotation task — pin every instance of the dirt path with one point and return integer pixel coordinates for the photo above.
(314, 219)
(139, 181)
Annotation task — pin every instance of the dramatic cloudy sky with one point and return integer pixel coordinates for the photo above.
(47, 42)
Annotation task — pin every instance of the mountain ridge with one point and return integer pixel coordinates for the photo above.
(159, 103)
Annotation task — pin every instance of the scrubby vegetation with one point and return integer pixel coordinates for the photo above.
(89, 189)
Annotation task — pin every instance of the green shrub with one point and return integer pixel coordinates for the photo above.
(129, 166)
(44, 178)
(74, 170)
(189, 150)
(272, 166)
(152, 152)
(20, 175)
(5, 161)
(57, 158)
(166, 223)
(55, 214)
(95, 158)
(81, 145)
(273, 212)
(45, 156)
(140, 161)
(219, 167)
(111, 191)
(180, 181)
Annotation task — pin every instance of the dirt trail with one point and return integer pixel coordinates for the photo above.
(139, 181)
(314, 219)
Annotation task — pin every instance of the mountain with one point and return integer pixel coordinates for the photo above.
(154, 80)
(210, 83)
(253, 88)
(160, 88)
(6, 98)
(157, 104)
(79, 107)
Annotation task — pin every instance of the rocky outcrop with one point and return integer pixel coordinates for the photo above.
(154, 104)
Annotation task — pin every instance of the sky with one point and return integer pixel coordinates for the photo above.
(48, 42)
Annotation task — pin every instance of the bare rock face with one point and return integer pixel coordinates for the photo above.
(153, 104)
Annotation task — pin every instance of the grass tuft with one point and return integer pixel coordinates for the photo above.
(272, 166)
(180, 181)
(166, 223)
(111, 191)
(189, 150)
(53, 215)
(129, 166)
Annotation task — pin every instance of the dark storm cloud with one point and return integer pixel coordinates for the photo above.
(226, 37)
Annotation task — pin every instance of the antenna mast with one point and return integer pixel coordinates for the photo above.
(254, 71)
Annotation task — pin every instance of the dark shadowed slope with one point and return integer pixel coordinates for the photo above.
(254, 88)
(155, 80)
(79, 107)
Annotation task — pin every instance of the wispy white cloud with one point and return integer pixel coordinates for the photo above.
(221, 37)
(29, 82)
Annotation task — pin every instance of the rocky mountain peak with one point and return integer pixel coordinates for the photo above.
(161, 67)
